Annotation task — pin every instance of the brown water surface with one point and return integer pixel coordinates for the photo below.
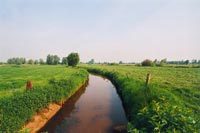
(94, 109)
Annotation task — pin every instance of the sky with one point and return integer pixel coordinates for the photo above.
(105, 30)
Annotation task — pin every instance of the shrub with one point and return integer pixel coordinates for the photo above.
(73, 59)
(112, 64)
(160, 116)
(147, 62)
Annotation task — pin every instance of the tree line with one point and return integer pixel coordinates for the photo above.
(72, 60)
(163, 62)
(148, 62)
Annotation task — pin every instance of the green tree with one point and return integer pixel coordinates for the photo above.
(36, 62)
(56, 60)
(10, 61)
(163, 62)
(49, 59)
(91, 61)
(147, 62)
(17, 61)
(22, 60)
(64, 60)
(194, 61)
(73, 59)
(187, 62)
(52, 59)
(120, 62)
(41, 61)
(31, 61)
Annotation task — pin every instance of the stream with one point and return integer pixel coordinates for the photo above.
(97, 108)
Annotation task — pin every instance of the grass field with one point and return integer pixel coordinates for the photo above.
(50, 84)
(171, 102)
(14, 77)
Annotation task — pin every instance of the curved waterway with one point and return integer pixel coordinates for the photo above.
(96, 108)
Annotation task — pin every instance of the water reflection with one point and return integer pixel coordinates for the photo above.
(97, 108)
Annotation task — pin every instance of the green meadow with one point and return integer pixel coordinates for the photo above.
(14, 77)
(169, 103)
(50, 84)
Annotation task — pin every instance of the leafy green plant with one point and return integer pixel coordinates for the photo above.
(161, 116)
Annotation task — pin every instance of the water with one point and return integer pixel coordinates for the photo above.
(94, 109)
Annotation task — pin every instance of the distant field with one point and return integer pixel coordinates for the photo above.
(50, 84)
(182, 82)
(179, 87)
(13, 77)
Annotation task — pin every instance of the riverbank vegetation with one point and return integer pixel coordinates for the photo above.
(51, 84)
(170, 103)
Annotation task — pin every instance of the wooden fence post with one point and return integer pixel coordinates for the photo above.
(148, 78)
(29, 85)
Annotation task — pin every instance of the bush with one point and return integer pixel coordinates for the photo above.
(73, 59)
(147, 62)
(160, 116)
(112, 64)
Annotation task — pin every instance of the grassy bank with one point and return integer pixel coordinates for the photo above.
(51, 84)
(170, 103)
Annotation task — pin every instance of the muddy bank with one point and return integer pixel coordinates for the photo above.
(41, 118)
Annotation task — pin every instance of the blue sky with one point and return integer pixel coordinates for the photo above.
(106, 30)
